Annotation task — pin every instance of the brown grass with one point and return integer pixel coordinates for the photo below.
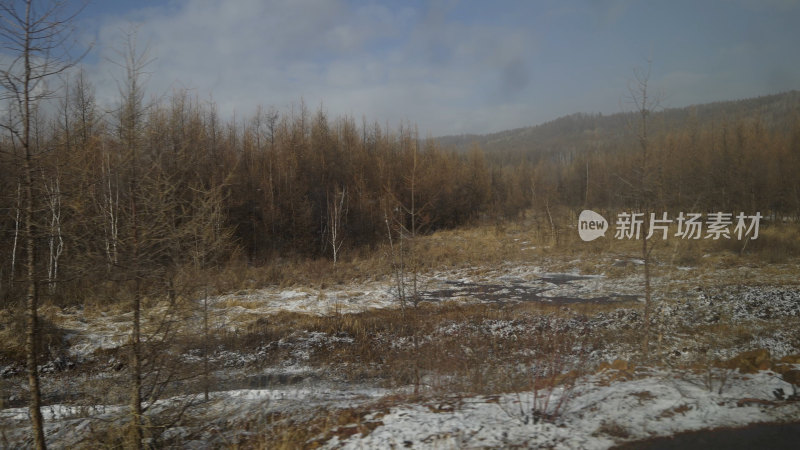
(291, 431)
(469, 360)
(52, 341)
(489, 244)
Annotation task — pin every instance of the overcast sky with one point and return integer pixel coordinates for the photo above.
(451, 66)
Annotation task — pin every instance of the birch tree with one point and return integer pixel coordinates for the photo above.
(337, 210)
(55, 238)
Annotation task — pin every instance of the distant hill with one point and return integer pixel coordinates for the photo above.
(583, 131)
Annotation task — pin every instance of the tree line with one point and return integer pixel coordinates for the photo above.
(303, 184)
(270, 184)
(742, 165)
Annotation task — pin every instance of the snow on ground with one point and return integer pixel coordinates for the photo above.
(222, 416)
(503, 283)
(471, 284)
(599, 412)
(596, 415)
(299, 344)
(105, 331)
(232, 311)
(350, 299)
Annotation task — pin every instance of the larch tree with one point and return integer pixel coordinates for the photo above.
(37, 38)
(645, 103)
(130, 117)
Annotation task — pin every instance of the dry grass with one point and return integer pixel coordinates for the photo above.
(457, 352)
(234, 302)
(52, 342)
(775, 244)
(291, 431)
(488, 244)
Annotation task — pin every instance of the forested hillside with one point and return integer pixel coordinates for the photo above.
(586, 131)
(735, 155)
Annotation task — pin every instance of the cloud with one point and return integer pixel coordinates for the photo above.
(252, 50)
(390, 63)
(450, 67)
(760, 5)
(610, 12)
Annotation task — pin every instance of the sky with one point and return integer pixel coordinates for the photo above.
(448, 66)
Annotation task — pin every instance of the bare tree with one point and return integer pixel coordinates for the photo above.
(38, 40)
(337, 210)
(130, 124)
(55, 238)
(210, 239)
(110, 208)
(644, 103)
(403, 221)
(81, 107)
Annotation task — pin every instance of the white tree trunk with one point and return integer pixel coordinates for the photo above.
(110, 207)
(55, 238)
(16, 234)
(337, 209)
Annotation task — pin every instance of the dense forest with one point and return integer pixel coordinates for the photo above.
(276, 183)
(301, 183)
